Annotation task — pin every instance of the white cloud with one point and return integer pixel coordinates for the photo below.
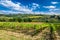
(49, 7)
(42, 12)
(54, 9)
(47, 13)
(14, 6)
(54, 2)
(34, 6)
(54, 13)
(24, 9)
(7, 12)
(18, 6)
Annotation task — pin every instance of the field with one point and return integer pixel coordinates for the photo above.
(29, 19)
(29, 27)
(8, 35)
(28, 30)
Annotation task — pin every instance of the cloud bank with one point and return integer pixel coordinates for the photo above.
(18, 6)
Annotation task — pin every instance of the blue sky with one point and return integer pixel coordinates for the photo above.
(30, 6)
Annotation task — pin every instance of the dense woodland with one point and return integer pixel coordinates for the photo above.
(29, 18)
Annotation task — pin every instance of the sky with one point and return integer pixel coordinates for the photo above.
(30, 6)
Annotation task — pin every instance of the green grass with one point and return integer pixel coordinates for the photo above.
(16, 25)
(35, 16)
(24, 25)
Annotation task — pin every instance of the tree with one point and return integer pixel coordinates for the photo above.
(27, 20)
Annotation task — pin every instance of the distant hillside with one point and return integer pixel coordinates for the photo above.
(29, 18)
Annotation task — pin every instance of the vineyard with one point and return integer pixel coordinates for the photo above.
(29, 19)
(35, 31)
(29, 27)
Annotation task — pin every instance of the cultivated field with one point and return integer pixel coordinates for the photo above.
(29, 31)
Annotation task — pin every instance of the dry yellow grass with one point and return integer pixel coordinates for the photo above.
(8, 35)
